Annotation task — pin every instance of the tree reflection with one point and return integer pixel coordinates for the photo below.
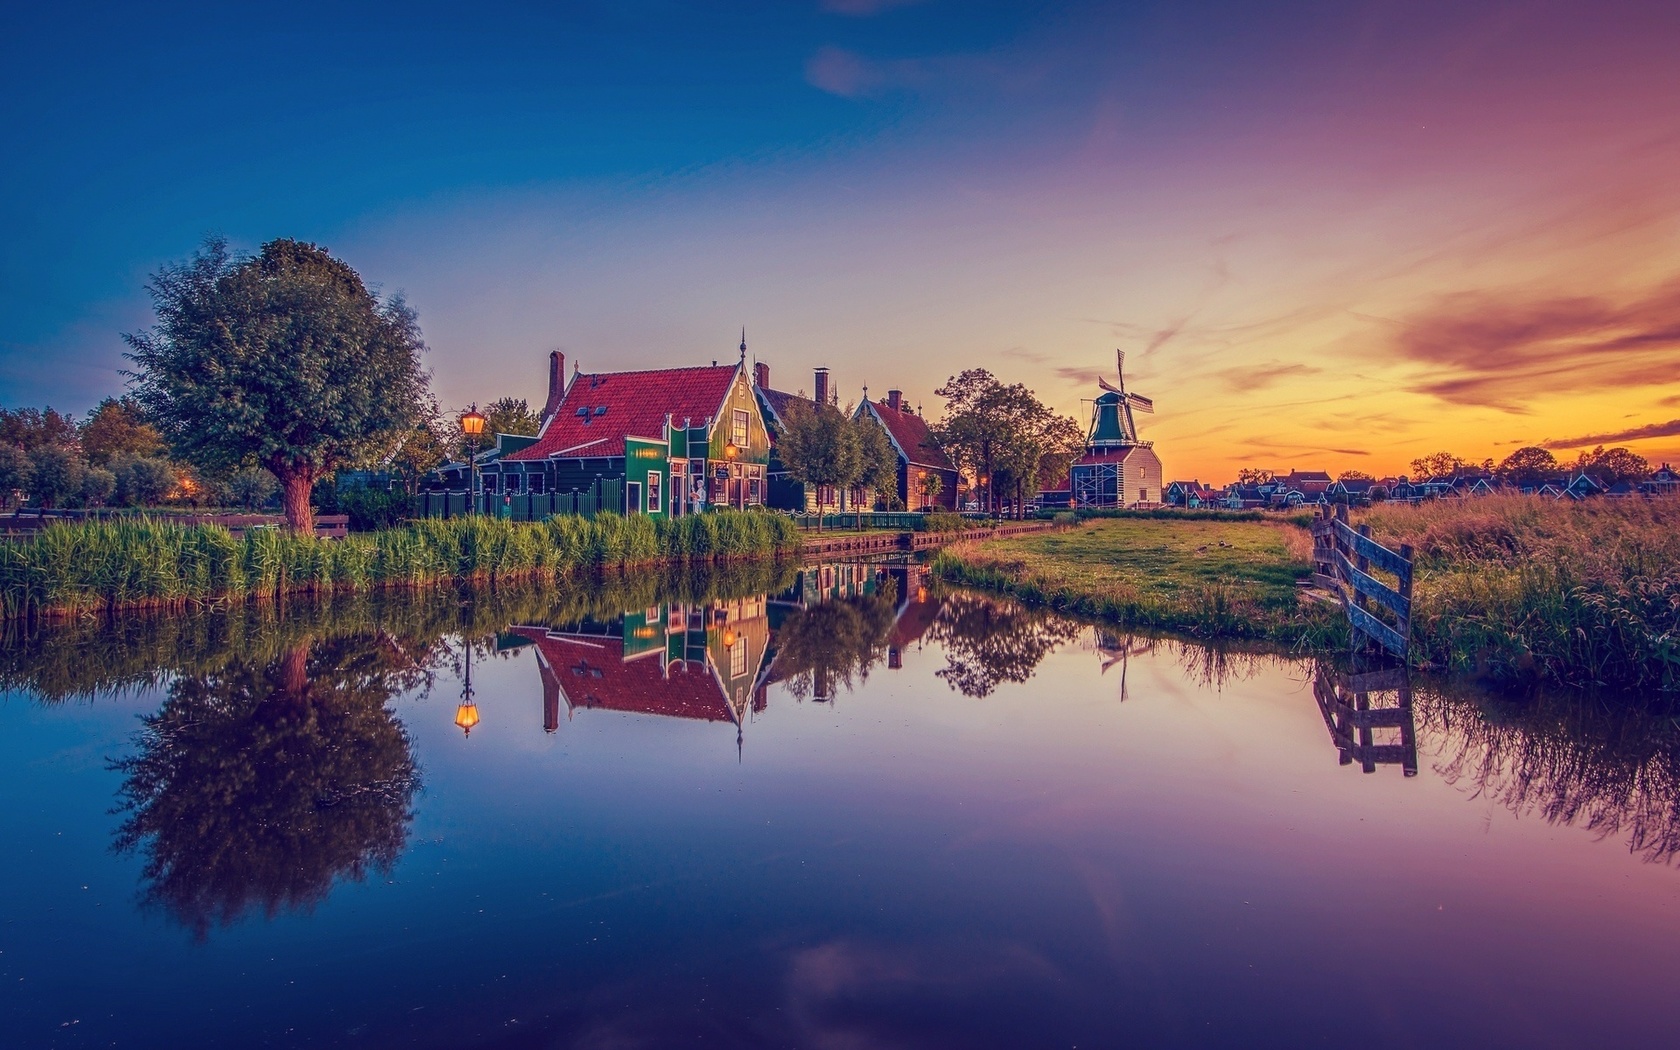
(260, 784)
(989, 641)
(833, 644)
(1613, 769)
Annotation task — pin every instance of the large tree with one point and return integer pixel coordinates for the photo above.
(1437, 465)
(115, 429)
(877, 463)
(284, 359)
(1614, 464)
(1528, 466)
(818, 446)
(1003, 432)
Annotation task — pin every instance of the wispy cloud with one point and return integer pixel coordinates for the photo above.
(1670, 402)
(1261, 376)
(851, 75)
(1650, 430)
(864, 8)
(1500, 352)
(1021, 353)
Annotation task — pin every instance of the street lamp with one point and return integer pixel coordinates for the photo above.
(472, 425)
(731, 453)
(466, 715)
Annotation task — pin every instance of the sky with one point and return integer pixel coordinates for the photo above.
(1332, 235)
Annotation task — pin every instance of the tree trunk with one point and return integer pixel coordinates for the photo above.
(295, 488)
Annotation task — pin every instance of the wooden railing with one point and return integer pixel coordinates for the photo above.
(1354, 706)
(1343, 557)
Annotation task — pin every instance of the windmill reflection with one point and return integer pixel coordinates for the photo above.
(1118, 649)
(1357, 704)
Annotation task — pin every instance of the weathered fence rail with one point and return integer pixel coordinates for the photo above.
(1343, 557)
(1354, 707)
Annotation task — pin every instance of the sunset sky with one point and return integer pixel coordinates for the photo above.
(1335, 235)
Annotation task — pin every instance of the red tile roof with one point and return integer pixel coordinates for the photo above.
(910, 432)
(636, 405)
(593, 673)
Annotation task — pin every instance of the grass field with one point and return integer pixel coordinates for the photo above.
(1232, 578)
(1510, 587)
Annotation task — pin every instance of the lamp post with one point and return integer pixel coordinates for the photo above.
(466, 715)
(731, 453)
(472, 425)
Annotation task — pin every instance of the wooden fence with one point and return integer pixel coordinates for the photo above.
(1355, 707)
(1343, 559)
(607, 494)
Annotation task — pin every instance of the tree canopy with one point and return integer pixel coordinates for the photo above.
(1003, 432)
(116, 428)
(1614, 464)
(1528, 466)
(284, 359)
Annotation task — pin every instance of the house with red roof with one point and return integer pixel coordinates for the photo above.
(663, 441)
(927, 479)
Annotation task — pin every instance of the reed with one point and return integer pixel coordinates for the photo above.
(1517, 586)
(76, 568)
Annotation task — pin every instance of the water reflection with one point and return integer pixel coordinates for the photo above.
(257, 786)
(276, 763)
(1613, 769)
(1368, 712)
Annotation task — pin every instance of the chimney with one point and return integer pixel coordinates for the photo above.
(556, 383)
(895, 400)
(822, 386)
(761, 375)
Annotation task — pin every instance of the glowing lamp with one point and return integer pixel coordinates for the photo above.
(466, 716)
(729, 638)
(730, 451)
(472, 421)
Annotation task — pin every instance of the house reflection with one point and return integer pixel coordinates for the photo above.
(714, 661)
(697, 661)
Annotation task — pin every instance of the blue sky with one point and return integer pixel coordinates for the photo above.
(1262, 205)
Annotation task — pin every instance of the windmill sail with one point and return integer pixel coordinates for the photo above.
(1104, 384)
(1141, 403)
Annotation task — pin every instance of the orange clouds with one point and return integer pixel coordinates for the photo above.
(1504, 353)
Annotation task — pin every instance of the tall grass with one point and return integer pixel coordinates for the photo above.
(1517, 586)
(135, 563)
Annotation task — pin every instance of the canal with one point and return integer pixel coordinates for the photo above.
(822, 806)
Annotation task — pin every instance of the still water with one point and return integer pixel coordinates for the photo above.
(822, 807)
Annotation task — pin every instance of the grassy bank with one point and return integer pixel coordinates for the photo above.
(1509, 587)
(70, 569)
(1513, 586)
(1202, 576)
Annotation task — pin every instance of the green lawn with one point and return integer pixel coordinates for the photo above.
(1208, 577)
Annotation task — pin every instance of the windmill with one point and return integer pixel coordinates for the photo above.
(1125, 405)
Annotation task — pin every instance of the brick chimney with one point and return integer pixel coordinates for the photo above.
(556, 383)
(821, 396)
(895, 400)
(761, 375)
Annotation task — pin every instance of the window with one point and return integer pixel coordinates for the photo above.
(513, 482)
(738, 657)
(739, 433)
(537, 483)
(633, 497)
(654, 480)
(489, 482)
